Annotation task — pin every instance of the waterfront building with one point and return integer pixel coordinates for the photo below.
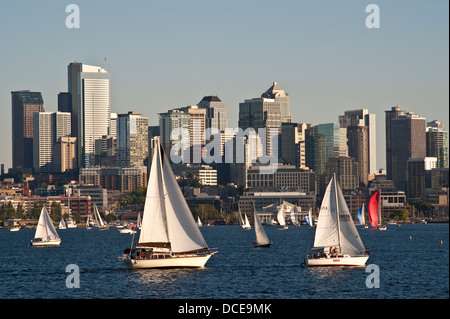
(123, 179)
(437, 143)
(23, 105)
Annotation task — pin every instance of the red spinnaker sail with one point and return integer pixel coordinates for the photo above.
(373, 209)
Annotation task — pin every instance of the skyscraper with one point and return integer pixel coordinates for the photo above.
(408, 140)
(89, 87)
(358, 148)
(362, 117)
(23, 105)
(168, 122)
(293, 143)
(437, 143)
(280, 96)
(48, 128)
(216, 113)
(389, 116)
(132, 139)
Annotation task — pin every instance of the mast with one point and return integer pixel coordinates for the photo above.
(337, 212)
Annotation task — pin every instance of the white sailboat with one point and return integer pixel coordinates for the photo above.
(71, 223)
(46, 234)
(244, 223)
(293, 217)
(281, 218)
(261, 237)
(169, 236)
(336, 234)
(62, 224)
(99, 221)
(308, 218)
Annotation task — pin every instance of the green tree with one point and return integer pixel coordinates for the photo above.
(205, 211)
(400, 215)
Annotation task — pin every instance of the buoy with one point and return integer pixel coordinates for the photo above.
(441, 242)
(409, 237)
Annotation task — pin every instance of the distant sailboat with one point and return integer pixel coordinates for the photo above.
(361, 216)
(244, 223)
(46, 234)
(293, 217)
(62, 224)
(261, 237)
(308, 218)
(375, 212)
(98, 219)
(169, 236)
(71, 223)
(336, 233)
(281, 218)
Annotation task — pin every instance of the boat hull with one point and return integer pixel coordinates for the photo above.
(46, 243)
(190, 261)
(353, 261)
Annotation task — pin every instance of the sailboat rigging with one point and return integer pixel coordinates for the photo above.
(169, 236)
(336, 236)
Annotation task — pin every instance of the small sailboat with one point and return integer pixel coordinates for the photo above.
(308, 218)
(169, 236)
(281, 218)
(62, 224)
(244, 223)
(375, 212)
(46, 234)
(98, 219)
(336, 234)
(261, 237)
(71, 224)
(361, 218)
(293, 217)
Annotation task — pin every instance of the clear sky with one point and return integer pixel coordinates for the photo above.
(166, 54)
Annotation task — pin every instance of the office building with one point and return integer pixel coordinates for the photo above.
(23, 105)
(408, 140)
(132, 139)
(64, 154)
(437, 143)
(419, 176)
(216, 112)
(279, 95)
(293, 144)
(395, 112)
(170, 121)
(48, 127)
(89, 87)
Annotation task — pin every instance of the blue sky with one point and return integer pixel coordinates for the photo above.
(166, 54)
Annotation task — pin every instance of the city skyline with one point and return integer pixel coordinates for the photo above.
(404, 63)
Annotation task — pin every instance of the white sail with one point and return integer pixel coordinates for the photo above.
(199, 222)
(330, 231)
(167, 221)
(246, 223)
(98, 217)
(62, 224)
(261, 236)
(45, 229)
(280, 216)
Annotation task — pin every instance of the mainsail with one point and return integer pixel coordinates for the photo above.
(335, 227)
(45, 229)
(280, 216)
(373, 209)
(167, 221)
(261, 236)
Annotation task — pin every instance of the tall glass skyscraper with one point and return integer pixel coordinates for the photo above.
(89, 87)
(132, 139)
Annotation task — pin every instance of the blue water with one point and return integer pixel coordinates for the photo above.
(408, 268)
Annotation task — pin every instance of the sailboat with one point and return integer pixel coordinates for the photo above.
(280, 217)
(99, 221)
(46, 234)
(375, 212)
(293, 217)
(261, 237)
(169, 236)
(361, 218)
(336, 234)
(308, 219)
(62, 224)
(244, 223)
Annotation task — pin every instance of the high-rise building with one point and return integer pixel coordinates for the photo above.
(389, 116)
(280, 96)
(262, 113)
(419, 176)
(132, 139)
(437, 143)
(408, 140)
(48, 127)
(23, 105)
(170, 121)
(358, 148)
(293, 143)
(197, 124)
(216, 113)
(89, 87)
(64, 154)
(362, 117)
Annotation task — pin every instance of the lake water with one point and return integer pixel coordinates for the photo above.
(411, 260)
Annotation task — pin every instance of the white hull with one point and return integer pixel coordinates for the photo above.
(192, 261)
(355, 261)
(46, 243)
